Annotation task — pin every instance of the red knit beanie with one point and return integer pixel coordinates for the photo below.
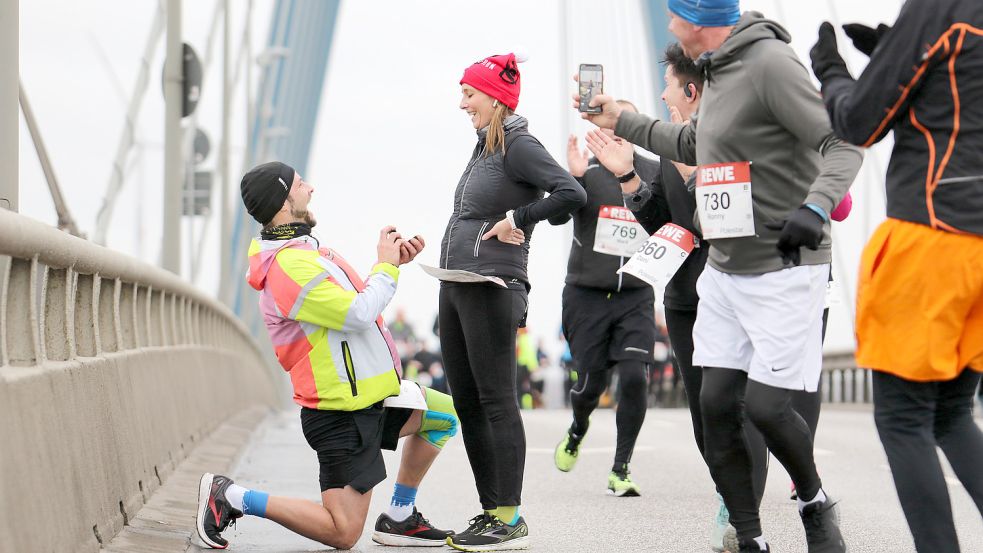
(497, 76)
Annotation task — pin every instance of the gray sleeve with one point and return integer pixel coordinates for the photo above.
(783, 86)
(667, 140)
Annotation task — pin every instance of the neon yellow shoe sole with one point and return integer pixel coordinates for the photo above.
(622, 487)
(563, 459)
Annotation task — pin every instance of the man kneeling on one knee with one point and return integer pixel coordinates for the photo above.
(328, 333)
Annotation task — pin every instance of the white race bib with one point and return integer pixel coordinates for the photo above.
(662, 254)
(618, 232)
(723, 200)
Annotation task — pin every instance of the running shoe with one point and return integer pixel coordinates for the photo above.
(567, 451)
(752, 546)
(621, 485)
(214, 511)
(495, 535)
(723, 537)
(415, 531)
(822, 525)
(794, 494)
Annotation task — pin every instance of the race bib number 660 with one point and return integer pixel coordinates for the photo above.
(658, 259)
(723, 200)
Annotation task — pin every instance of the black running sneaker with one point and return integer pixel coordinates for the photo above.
(822, 526)
(415, 531)
(495, 535)
(214, 512)
(751, 546)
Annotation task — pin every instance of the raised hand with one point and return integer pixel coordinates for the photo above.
(676, 117)
(576, 159)
(610, 110)
(615, 154)
(409, 249)
(389, 245)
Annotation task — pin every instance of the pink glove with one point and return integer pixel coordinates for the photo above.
(842, 211)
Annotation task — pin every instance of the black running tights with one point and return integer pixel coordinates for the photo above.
(912, 419)
(726, 394)
(478, 326)
(680, 326)
(632, 404)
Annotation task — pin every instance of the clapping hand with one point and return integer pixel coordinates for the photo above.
(576, 159)
(615, 154)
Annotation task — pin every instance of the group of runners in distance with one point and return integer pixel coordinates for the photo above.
(745, 311)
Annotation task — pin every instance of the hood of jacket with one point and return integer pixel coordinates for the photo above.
(512, 123)
(262, 253)
(752, 27)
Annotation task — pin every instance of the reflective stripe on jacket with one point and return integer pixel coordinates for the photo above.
(326, 323)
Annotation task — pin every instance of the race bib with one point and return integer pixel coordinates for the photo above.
(723, 200)
(618, 232)
(662, 254)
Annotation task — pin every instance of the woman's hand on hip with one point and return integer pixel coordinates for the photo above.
(505, 233)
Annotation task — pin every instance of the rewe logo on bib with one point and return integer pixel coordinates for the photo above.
(723, 173)
(677, 235)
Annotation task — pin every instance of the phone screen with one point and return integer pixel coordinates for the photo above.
(591, 84)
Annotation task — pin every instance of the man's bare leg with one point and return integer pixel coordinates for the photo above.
(337, 522)
(418, 454)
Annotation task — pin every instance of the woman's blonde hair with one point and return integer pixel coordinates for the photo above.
(495, 140)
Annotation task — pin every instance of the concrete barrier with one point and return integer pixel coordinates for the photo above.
(110, 372)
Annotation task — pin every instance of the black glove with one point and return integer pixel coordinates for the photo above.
(803, 228)
(826, 59)
(865, 38)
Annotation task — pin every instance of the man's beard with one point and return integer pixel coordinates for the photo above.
(303, 215)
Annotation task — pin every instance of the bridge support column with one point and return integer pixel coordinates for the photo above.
(9, 121)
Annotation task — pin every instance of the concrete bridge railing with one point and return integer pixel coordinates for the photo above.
(111, 371)
(843, 382)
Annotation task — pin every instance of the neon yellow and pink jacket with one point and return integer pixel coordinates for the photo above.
(326, 323)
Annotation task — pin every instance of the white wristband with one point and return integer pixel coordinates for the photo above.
(511, 219)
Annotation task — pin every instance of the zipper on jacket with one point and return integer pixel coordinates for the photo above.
(460, 208)
(346, 354)
(477, 241)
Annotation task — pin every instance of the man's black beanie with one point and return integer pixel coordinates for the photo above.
(264, 189)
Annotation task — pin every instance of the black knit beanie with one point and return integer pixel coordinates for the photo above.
(264, 189)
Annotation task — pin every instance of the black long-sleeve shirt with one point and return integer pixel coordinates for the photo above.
(925, 82)
(671, 200)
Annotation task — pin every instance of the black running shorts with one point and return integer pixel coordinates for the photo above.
(349, 444)
(604, 327)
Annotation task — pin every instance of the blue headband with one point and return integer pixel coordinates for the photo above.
(707, 13)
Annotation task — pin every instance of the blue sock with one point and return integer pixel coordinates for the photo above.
(403, 501)
(254, 503)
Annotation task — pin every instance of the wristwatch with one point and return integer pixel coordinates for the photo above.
(627, 176)
(510, 215)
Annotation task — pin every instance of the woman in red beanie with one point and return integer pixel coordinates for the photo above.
(498, 201)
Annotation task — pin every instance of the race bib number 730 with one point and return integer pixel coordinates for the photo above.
(723, 200)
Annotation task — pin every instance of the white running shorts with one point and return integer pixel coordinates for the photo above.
(767, 325)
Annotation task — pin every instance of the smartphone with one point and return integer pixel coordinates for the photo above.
(591, 84)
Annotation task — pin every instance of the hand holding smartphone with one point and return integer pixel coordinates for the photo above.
(591, 77)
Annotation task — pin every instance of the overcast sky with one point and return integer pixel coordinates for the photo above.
(390, 143)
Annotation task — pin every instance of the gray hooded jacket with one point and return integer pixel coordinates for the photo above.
(759, 105)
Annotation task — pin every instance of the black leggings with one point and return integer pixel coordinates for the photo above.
(632, 403)
(680, 326)
(912, 419)
(726, 396)
(806, 404)
(478, 326)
